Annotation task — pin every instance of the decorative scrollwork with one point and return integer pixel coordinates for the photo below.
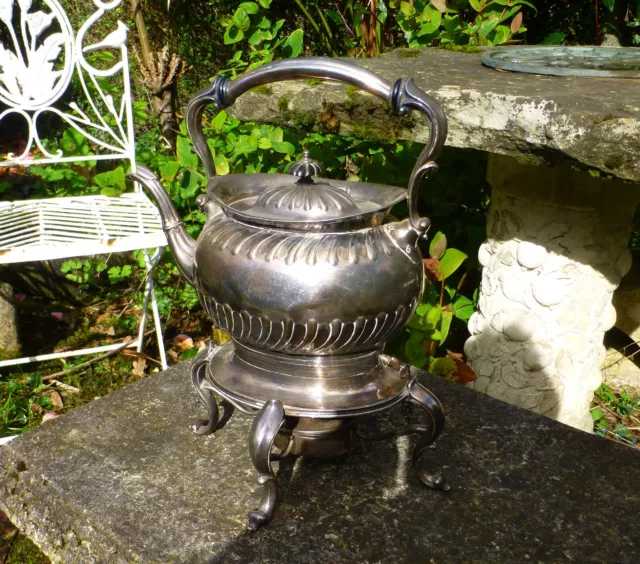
(307, 337)
(31, 82)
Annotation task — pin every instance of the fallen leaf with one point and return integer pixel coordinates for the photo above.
(57, 315)
(440, 5)
(138, 366)
(111, 331)
(56, 399)
(463, 373)
(36, 408)
(49, 415)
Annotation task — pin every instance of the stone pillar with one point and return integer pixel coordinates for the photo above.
(556, 251)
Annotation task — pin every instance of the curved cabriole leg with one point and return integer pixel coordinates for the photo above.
(263, 432)
(425, 400)
(198, 372)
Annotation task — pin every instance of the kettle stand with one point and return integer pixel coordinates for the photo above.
(280, 429)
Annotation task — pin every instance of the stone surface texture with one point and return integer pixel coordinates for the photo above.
(124, 479)
(9, 341)
(550, 266)
(593, 123)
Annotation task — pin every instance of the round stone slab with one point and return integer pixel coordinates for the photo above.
(612, 62)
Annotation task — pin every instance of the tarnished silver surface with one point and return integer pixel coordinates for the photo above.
(263, 432)
(303, 203)
(310, 279)
(611, 62)
(317, 387)
(281, 429)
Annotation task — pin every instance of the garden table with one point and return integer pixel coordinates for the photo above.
(125, 479)
(565, 175)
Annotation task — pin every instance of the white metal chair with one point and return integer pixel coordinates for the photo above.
(37, 62)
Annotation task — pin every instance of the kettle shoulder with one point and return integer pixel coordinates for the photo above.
(225, 235)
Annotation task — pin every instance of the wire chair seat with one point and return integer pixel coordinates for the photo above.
(33, 230)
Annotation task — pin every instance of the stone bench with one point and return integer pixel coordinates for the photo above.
(124, 479)
(564, 171)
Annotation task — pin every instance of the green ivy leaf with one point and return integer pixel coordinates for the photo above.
(140, 114)
(241, 20)
(445, 325)
(487, 27)
(112, 182)
(503, 33)
(284, 147)
(596, 414)
(433, 316)
(264, 143)
(276, 135)
(249, 7)
(219, 120)
(256, 37)
(222, 164)
(428, 29)
(233, 35)
(451, 261)
(293, 45)
(476, 5)
(183, 151)
(264, 3)
(407, 9)
(463, 308)
(622, 431)
(415, 354)
(438, 245)
(169, 170)
(555, 38)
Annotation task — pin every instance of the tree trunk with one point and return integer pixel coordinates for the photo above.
(160, 74)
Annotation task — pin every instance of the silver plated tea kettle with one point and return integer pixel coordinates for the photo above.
(310, 277)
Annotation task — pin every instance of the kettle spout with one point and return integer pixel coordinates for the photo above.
(182, 245)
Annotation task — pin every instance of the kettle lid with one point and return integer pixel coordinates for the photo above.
(307, 203)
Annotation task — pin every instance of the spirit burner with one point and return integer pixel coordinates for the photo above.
(310, 277)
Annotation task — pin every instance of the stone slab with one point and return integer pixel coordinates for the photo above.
(592, 123)
(123, 479)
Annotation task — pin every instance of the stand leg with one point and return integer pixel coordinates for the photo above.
(425, 400)
(198, 377)
(264, 429)
(422, 398)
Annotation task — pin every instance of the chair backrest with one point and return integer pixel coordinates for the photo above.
(39, 57)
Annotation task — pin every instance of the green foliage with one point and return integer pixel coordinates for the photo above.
(440, 304)
(264, 40)
(22, 401)
(461, 22)
(613, 412)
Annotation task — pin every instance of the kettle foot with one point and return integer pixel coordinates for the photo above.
(264, 430)
(198, 378)
(419, 396)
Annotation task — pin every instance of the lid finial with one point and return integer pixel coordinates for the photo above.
(305, 168)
